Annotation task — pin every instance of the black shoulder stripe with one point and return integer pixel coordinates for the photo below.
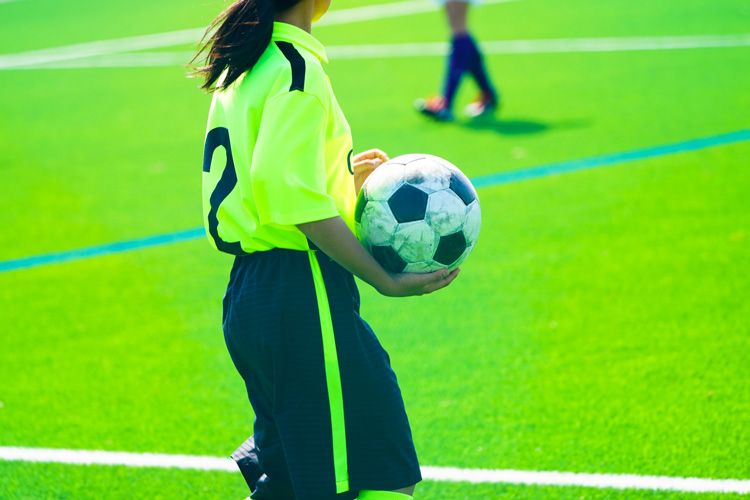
(298, 65)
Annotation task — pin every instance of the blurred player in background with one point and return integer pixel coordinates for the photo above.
(465, 56)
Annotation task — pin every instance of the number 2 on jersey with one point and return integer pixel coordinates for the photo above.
(219, 137)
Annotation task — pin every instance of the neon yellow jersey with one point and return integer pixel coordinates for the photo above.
(277, 152)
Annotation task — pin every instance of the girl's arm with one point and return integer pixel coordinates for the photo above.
(335, 238)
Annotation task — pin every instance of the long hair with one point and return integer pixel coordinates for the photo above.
(236, 39)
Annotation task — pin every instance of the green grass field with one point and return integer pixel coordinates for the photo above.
(601, 325)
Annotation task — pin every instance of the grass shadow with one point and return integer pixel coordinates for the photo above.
(519, 126)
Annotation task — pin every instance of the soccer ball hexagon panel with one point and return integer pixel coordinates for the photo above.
(418, 213)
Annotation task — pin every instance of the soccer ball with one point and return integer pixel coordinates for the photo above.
(418, 213)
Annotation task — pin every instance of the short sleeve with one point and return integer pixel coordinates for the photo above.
(288, 170)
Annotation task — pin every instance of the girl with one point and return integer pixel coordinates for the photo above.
(465, 56)
(279, 189)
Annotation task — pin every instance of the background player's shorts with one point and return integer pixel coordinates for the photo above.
(315, 439)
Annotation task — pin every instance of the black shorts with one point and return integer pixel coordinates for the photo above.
(329, 416)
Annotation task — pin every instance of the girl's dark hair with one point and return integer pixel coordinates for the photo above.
(235, 40)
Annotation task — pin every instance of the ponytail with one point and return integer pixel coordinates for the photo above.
(236, 39)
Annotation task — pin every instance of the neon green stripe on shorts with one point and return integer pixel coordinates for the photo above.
(333, 379)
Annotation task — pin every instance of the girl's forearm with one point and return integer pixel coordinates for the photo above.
(337, 241)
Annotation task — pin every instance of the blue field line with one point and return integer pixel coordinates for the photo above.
(610, 159)
(479, 182)
(95, 251)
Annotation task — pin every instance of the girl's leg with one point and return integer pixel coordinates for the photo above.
(402, 494)
(409, 490)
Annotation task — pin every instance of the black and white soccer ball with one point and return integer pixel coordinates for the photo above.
(418, 213)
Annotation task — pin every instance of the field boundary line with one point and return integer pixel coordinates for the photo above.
(433, 473)
(548, 45)
(482, 181)
(99, 48)
(385, 11)
(611, 159)
(193, 35)
(426, 49)
(105, 249)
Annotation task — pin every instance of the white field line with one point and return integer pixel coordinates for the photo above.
(193, 35)
(452, 474)
(384, 11)
(100, 48)
(565, 45)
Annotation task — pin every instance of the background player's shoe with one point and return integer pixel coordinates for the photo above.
(486, 104)
(434, 107)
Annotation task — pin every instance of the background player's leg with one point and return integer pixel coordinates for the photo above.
(457, 12)
(488, 99)
(440, 107)
(461, 49)
(473, 59)
(477, 68)
(465, 56)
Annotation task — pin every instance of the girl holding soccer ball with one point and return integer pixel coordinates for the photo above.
(279, 192)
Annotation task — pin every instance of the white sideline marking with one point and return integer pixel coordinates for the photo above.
(624, 44)
(562, 45)
(565, 45)
(193, 35)
(92, 457)
(100, 48)
(384, 11)
(452, 474)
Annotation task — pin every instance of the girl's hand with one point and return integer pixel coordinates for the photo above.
(364, 163)
(408, 284)
(334, 238)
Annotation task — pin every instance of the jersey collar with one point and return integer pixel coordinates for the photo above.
(288, 33)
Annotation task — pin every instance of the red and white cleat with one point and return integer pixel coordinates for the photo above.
(435, 108)
(485, 105)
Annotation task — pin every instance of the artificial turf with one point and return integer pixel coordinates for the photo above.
(600, 325)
